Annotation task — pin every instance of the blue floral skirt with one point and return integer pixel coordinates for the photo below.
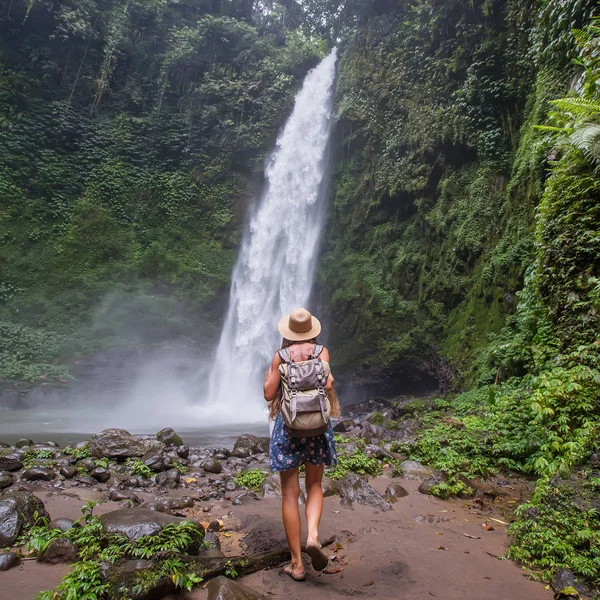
(287, 452)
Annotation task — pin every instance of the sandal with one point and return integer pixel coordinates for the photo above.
(318, 558)
(289, 570)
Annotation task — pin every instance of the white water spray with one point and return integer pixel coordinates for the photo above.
(275, 268)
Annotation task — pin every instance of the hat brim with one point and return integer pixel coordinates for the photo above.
(294, 336)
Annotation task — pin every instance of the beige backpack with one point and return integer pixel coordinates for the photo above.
(305, 407)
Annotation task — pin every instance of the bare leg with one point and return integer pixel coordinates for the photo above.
(314, 502)
(290, 491)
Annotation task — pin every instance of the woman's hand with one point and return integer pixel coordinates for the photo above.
(272, 378)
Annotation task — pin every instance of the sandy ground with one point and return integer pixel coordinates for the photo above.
(419, 550)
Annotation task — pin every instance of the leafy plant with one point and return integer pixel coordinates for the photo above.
(137, 467)
(251, 479)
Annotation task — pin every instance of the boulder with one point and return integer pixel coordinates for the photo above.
(11, 461)
(183, 451)
(563, 579)
(344, 425)
(68, 472)
(428, 484)
(6, 480)
(223, 588)
(23, 443)
(135, 523)
(118, 443)
(411, 469)
(168, 479)
(100, 474)
(211, 465)
(245, 498)
(330, 487)
(394, 492)
(222, 453)
(8, 560)
(62, 524)
(120, 495)
(85, 480)
(176, 503)
(18, 512)
(157, 462)
(168, 437)
(38, 474)
(89, 464)
(354, 488)
(271, 486)
(59, 550)
(247, 444)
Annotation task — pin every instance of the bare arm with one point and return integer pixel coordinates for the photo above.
(329, 383)
(272, 378)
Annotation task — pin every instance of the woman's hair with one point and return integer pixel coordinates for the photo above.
(275, 404)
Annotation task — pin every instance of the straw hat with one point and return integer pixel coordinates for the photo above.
(299, 325)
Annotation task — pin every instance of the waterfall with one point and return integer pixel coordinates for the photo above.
(275, 267)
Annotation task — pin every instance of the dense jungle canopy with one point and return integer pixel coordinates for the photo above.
(462, 241)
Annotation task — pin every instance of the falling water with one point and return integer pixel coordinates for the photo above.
(274, 271)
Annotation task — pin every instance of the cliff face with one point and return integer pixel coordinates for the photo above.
(438, 174)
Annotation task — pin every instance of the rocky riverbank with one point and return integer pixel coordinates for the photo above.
(224, 505)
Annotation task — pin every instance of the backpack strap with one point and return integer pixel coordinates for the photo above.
(316, 351)
(285, 355)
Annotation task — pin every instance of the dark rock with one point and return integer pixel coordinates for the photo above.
(85, 480)
(565, 578)
(11, 462)
(595, 459)
(231, 486)
(394, 492)
(214, 527)
(355, 489)
(8, 560)
(377, 451)
(177, 503)
(59, 550)
(168, 479)
(157, 462)
(344, 425)
(168, 437)
(223, 588)
(135, 523)
(212, 465)
(6, 480)
(331, 487)
(247, 444)
(224, 452)
(68, 472)
(62, 524)
(89, 464)
(412, 469)
(245, 498)
(24, 443)
(271, 486)
(134, 481)
(211, 539)
(17, 513)
(100, 474)
(183, 451)
(120, 495)
(38, 474)
(153, 505)
(118, 443)
(427, 485)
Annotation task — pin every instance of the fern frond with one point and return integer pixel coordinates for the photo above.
(549, 129)
(579, 107)
(587, 139)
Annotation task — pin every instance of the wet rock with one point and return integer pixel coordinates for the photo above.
(245, 498)
(247, 444)
(271, 486)
(18, 512)
(85, 480)
(355, 489)
(564, 579)
(62, 524)
(223, 588)
(214, 526)
(100, 474)
(411, 469)
(59, 550)
(222, 452)
(135, 523)
(330, 487)
(153, 505)
(23, 443)
(211, 539)
(183, 451)
(345, 425)
(6, 480)
(212, 465)
(11, 462)
(430, 519)
(120, 495)
(8, 560)
(231, 486)
(394, 492)
(595, 459)
(376, 451)
(134, 481)
(157, 462)
(118, 443)
(89, 464)
(168, 437)
(176, 503)
(38, 474)
(68, 472)
(168, 479)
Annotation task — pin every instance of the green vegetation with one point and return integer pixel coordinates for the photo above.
(354, 459)
(251, 479)
(77, 453)
(137, 467)
(94, 546)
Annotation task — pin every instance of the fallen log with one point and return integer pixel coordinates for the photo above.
(137, 579)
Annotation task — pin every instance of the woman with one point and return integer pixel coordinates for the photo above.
(300, 330)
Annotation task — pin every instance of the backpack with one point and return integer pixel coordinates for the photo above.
(305, 407)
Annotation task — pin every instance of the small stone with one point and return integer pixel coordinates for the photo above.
(177, 503)
(62, 524)
(168, 437)
(157, 462)
(8, 560)
(394, 492)
(11, 462)
(100, 474)
(222, 452)
(120, 495)
(38, 474)
(245, 498)
(183, 451)
(212, 465)
(68, 472)
(89, 464)
(24, 443)
(59, 550)
(168, 479)
(85, 480)
(6, 480)
(214, 526)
